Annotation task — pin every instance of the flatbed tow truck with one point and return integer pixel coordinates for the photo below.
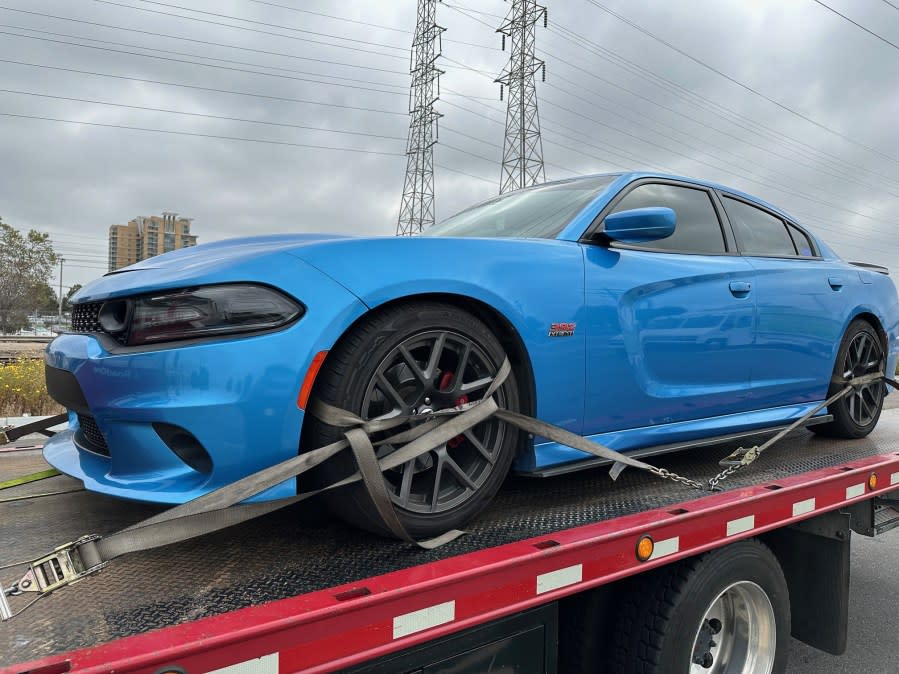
(572, 573)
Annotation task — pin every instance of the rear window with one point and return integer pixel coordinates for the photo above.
(759, 232)
(801, 241)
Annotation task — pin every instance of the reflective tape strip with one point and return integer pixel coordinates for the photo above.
(410, 623)
(267, 664)
(738, 526)
(803, 507)
(664, 548)
(855, 490)
(560, 578)
(894, 478)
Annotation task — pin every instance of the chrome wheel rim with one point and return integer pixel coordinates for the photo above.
(426, 372)
(737, 634)
(864, 356)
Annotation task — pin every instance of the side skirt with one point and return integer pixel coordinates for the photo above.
(574, 466)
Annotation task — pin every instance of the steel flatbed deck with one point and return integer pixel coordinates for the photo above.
(316, 595)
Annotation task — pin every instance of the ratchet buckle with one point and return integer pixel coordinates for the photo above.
(64, 566)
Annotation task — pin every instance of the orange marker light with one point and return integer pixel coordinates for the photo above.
(645, 547)
(309, 381)
(872, 481)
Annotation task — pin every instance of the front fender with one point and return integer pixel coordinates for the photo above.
(531, 283)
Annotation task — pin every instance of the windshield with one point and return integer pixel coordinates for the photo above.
(537, 212)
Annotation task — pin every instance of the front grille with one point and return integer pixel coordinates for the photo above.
(85, 317)
(91, 437)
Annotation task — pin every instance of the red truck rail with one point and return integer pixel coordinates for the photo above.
(337, 627)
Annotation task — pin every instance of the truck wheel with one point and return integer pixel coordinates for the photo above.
(415, 359)
(856, 414)
(727, 611)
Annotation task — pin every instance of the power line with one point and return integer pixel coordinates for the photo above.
(237, 18)
(367, 24)
(208, 58)
(207, 65)
(740, 84)
(845, 174)
(763, 183)
(579, 140)
(584, 43)
(205, 135)
(896, 7)
(858, 25)
(655, 121)
(464, 173)
(200, 88)
(198, 114)
(183, 38)
(331, 16)
(218, 23)
(724, 112)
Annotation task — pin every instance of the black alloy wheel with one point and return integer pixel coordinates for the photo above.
(427, 372)
(413, 361)
(856, 414)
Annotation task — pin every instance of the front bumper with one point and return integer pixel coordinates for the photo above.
(236, 398)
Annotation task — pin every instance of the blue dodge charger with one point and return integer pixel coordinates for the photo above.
(646, 312)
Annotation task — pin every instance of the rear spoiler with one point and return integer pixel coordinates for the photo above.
(872, 267)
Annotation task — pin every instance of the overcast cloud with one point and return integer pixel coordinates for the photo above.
(625, 102)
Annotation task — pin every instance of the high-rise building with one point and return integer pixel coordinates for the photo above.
(146, 236)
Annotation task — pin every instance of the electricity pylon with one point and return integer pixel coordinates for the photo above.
(523, 147)
(417, 205)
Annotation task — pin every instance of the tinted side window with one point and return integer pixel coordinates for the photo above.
(697, 229)
(759, 233)
(801, 241)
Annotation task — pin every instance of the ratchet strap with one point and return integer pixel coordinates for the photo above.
(11, 434)
(218, 509)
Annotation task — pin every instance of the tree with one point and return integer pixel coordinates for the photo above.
(66, 301)
(26, 261)
(42, 299)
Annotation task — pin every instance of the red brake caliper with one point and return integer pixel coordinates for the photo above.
(445, 381)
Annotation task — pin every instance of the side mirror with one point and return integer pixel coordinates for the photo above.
(640, 224)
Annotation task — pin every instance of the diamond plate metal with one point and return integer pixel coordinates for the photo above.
(177, 584)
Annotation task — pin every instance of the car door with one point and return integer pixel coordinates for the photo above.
(801, 301)
(670, 323)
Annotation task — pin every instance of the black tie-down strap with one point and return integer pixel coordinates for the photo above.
(218, 509)
(12, 433)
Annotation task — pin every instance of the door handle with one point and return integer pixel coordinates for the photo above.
(740, 288)
(835, 282)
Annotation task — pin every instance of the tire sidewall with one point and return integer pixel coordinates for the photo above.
(385, 331)
(843, 421)
(737, 563)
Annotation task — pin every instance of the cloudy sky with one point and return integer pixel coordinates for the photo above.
(784, 99)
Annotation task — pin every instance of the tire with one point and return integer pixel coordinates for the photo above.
(856, 414)
(724, 611)
(468, 470)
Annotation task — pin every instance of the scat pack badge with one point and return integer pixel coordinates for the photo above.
(561, 329)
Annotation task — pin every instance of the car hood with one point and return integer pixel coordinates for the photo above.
(371, 268)
(220, 261)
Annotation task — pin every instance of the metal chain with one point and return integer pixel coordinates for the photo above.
(723, 475)
(754, 453)
(674, 477)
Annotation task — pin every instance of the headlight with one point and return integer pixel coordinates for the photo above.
(207, 312)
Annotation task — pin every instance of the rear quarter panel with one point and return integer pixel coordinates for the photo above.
(878, 297)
